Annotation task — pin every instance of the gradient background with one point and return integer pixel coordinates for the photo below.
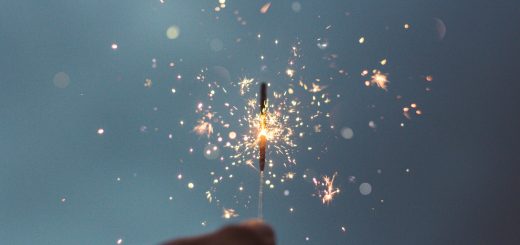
(462, 153)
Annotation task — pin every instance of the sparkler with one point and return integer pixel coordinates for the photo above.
(262, 144)
(263, 129)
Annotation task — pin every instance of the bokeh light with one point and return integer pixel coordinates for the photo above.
(347, 133)
(61, 80)
(173, 32)
(365, 189)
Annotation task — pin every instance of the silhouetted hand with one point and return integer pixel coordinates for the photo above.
(252, 232)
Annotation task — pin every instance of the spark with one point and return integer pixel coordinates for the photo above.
(277, 130)
(229, 213)
(265, 8)
(380, 79)
(290, 72)
(293, 111)
(101, 131)
(222, 5)
(209, 197)
(316, 88)
(245, 84)
(148, 83)
(327, 195)
(289, 175)
(203, 128)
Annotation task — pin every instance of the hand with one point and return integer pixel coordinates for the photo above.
(252, 232)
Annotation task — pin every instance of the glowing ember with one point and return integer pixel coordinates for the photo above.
(229, 213)
(329, 191)
(265, 8)
(380, 79)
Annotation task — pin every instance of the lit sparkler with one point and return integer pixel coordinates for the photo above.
(262, 144)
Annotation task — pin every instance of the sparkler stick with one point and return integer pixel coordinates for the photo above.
(262, 144)
(263, 128)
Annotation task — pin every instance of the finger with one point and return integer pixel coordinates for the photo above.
(262, 229)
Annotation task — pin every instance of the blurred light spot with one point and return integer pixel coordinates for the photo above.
(290, 72)
(191, 185)
(100, 131)
(114, 46)
(211, 152)
(232, 135)
(296, 7)
(372, 124)
(173, 32)
(148, 83)
(440, 26)
(322, 43)
(61, 80)
(365, 189)
(347, 133)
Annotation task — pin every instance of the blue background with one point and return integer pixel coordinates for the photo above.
(462, 152)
